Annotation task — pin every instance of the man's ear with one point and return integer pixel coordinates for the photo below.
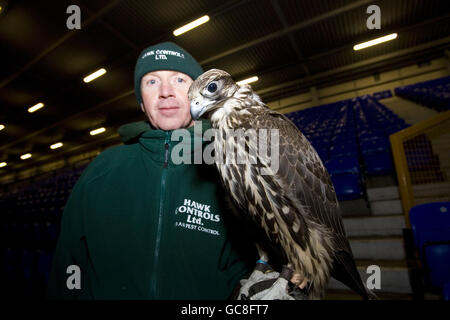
(143, 108)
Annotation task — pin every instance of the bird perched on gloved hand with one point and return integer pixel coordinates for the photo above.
(290, 196)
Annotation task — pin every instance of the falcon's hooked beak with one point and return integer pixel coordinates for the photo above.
(201, 105)
(197, 108)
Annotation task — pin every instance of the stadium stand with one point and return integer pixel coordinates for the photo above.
(382, 94)
(30, 226)
(352, 139)
(433, 94)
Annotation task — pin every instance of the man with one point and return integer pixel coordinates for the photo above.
(139, 226)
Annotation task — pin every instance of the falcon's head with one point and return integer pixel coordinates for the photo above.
(209, 90)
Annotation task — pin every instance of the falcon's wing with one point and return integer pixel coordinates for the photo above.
(301, 171)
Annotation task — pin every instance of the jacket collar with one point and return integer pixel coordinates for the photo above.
(154, 141)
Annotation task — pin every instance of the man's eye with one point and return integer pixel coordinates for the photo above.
(180, 80)
(152, 81)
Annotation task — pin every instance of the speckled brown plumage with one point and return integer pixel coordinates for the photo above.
(295, 205)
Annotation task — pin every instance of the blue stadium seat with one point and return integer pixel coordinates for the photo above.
(446, 291)
(430, 224)
(50, 234)
(432, 94)
(342, 165)
(38, 234)
(323, 154)
(379, 163)
(375, 146)
(370, 135)
(437, 261)
(11, 257)
(347, 186)
(44, 264)
(27, 270)
(344, 150)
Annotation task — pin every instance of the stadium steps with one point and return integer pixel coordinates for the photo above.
(363, 226)
(383, 196)
(376, 238)
(357, 207)
(432, 192)
(385, 201)
(394, 278)
(411, 112)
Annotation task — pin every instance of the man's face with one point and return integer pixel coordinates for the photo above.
(165, 99)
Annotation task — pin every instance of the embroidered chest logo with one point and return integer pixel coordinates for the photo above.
(197, 216)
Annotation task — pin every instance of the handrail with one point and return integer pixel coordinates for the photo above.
(401, 165)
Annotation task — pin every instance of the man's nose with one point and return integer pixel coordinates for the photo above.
(166, 90)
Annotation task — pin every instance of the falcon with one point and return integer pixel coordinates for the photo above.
(294, 203)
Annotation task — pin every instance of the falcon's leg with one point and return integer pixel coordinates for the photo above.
(262, 272)
(263, 256)
(266, 284)
(281, 289)
(296, 278)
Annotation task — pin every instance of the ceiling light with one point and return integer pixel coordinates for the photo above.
(375, 41)
(94, 75)
(97, 131)
(246, 81)
(191, 25)
(25, 156)
(2, 127)
(36, 107)
(3, 164)
(56, 145)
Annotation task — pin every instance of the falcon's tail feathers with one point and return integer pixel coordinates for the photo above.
(345, 271)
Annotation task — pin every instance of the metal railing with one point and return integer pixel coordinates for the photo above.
(422, 162)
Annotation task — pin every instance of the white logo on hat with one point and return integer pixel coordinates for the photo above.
(162, 54)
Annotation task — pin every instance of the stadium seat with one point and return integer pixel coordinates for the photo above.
(11, 257)
(437, 262)
(347, 186)
(367, 134)
(375, 146)
(430, 224)
(379, 163)
(44, 263)
(27, 271)
(323, 154)
(342, 165)
(344, 150)
(446, 291)
(433, 94)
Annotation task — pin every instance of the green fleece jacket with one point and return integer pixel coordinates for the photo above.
(139, 226)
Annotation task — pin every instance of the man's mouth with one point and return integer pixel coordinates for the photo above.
(169, 110)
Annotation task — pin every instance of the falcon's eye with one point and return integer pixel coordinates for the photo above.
(212, 87)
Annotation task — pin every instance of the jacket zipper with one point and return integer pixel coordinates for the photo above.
(160, 217)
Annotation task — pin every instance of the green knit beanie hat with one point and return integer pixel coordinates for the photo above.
(164, 56)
